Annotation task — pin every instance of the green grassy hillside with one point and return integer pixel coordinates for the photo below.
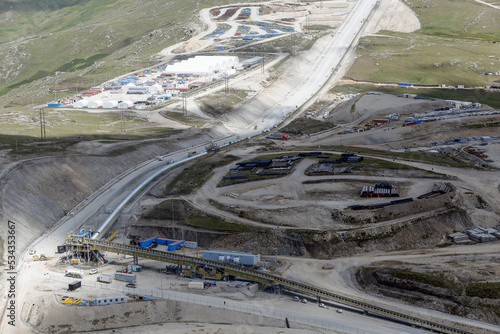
(458, 42)
(74, 43)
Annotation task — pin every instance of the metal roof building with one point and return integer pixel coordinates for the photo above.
(247, 259)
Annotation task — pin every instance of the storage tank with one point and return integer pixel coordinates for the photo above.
(196, 285)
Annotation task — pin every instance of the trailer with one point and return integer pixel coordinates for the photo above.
(75, 285)
(105, 278)
(125, 277)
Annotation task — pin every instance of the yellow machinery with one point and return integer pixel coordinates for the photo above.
(113, 235)
(205, 272)
(36, 258)
(71, 301)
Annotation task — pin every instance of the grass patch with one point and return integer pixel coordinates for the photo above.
(195, 176)
(80, 64)
(320, 27)
(452, 47)
(220, 103)
(473, 95)
(438, 159)
(212, 223)
(432, 280)
(483, 290)
(484, 124)
(189, 119)
(181, 212)
(307, 126)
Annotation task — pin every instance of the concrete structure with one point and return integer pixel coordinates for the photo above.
(247, 259)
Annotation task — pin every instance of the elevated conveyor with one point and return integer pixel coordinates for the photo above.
(263, 278)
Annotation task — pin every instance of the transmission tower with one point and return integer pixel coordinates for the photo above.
(226, 83)
(184, 104)
(43, 135)
(122, 122)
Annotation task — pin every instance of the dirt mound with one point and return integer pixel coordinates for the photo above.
(443, 290)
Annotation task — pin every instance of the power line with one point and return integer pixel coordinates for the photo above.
(43, 135)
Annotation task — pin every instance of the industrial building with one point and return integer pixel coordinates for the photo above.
(246, 259)
(111, 300)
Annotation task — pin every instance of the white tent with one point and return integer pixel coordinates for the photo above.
(110, 104)
(156, 89)
(203, 65)
(81, 104)
(95, 104)
(126, 104)
(127, 86)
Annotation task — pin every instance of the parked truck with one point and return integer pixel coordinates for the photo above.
(125, 277)
(75, 273)
(191, 153)
(105, 278)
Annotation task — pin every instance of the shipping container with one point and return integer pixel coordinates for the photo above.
(105, 278)
(61, 248)
(133, 268)
(196, 285)
(247, 259)
(125, 277)
(75, 285)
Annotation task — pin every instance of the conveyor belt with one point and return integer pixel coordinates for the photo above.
(266, 279)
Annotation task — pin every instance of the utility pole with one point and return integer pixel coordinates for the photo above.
(43, 136)
(226, 83)
(184, 104)
(122, 122)
(173, 222)
(262, 66)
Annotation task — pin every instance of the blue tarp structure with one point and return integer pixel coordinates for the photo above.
(173, 245)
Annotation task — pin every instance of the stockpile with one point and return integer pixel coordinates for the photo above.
(380, 205)
(383, 189)
(439, 189)
(459, 238)
(483, 234)
(324, 168)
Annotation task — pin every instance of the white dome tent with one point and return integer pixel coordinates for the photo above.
(81, 104)
(126, 104)
(95, 104)
(110, 104)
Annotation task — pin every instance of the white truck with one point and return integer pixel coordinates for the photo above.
(75, 273)
(125, 277)
(105, 278)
